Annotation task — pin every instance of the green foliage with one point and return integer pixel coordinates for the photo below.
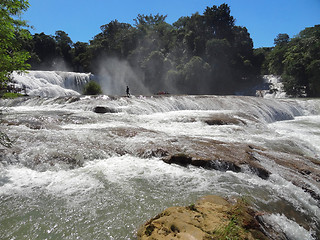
(192, 207)
(313, 71)
(201, 54)
(63, 48)
(235, 228)
(275, 60)
(11, 95)
(297, 61)
(51, 52)
(12, 34)
(154, 69)
(231, 231)
(92, 88)
(260, 63)
(196, 71)
(281, 39)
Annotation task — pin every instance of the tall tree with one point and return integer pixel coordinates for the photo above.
(11, 56)
(45, 48)
(281, 39)
(64, 45)
(81, 57)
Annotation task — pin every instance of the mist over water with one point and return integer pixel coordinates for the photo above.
(114, 75)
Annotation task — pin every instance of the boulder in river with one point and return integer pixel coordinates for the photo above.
(101, 109)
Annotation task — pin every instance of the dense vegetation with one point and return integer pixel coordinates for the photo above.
(12, 34)
(199, 54)
(92, 88)
(297, 60)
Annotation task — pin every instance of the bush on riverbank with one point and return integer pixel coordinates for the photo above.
(11, 95)
(92, 88)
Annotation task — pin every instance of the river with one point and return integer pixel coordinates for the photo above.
(72, 173)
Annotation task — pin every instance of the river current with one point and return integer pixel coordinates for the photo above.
(71, 173)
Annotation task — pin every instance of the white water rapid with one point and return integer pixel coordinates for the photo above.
(72, 173)
(51, 83)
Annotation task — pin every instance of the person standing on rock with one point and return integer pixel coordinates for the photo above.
(128, 91)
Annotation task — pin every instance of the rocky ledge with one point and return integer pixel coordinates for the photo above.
(211, 217)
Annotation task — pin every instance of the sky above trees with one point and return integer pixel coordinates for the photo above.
(82, 19)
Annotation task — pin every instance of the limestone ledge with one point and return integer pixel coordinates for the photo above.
(211, 217)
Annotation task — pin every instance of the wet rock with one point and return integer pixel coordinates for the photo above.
(218, 164)
(305, 172)
(223, 119)
(223, 122)
(180, 159)
(312, 193)
(159, 152)
(212, 217)
(259, 171)
(101, 109)
(221, 165)
(73, 99)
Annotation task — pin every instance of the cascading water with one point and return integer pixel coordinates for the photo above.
(51, 83)
(72, 173)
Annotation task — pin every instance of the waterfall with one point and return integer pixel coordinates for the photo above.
(51, 83)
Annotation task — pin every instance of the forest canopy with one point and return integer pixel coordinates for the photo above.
(198, 54)
(297, 60)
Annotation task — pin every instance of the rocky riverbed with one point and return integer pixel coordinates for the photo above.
(99, 167)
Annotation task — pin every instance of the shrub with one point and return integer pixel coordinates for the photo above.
(11, 95)
(92, 88)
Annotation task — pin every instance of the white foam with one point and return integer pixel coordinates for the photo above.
(291, 229)
(51, 83)
(306, 133)
(48, 132)
(26, 182)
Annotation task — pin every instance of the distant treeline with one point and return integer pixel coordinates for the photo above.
(201, 54)
(297, 60)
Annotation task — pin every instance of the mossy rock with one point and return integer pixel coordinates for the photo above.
(211, 217)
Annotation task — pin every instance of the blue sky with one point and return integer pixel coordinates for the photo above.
(82, 19)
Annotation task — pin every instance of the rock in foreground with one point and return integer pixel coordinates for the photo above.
(212, 217)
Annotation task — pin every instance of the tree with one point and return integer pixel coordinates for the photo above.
(64, 44)
(81, 57)
(196, 73)
(153, 67)
(11, 56)
(92, 88)
(297, 60)
(313, 71)
(219, 22)
(275, 60)
(202, 49)
(144, 22)
(45, 48)
(281, 39)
